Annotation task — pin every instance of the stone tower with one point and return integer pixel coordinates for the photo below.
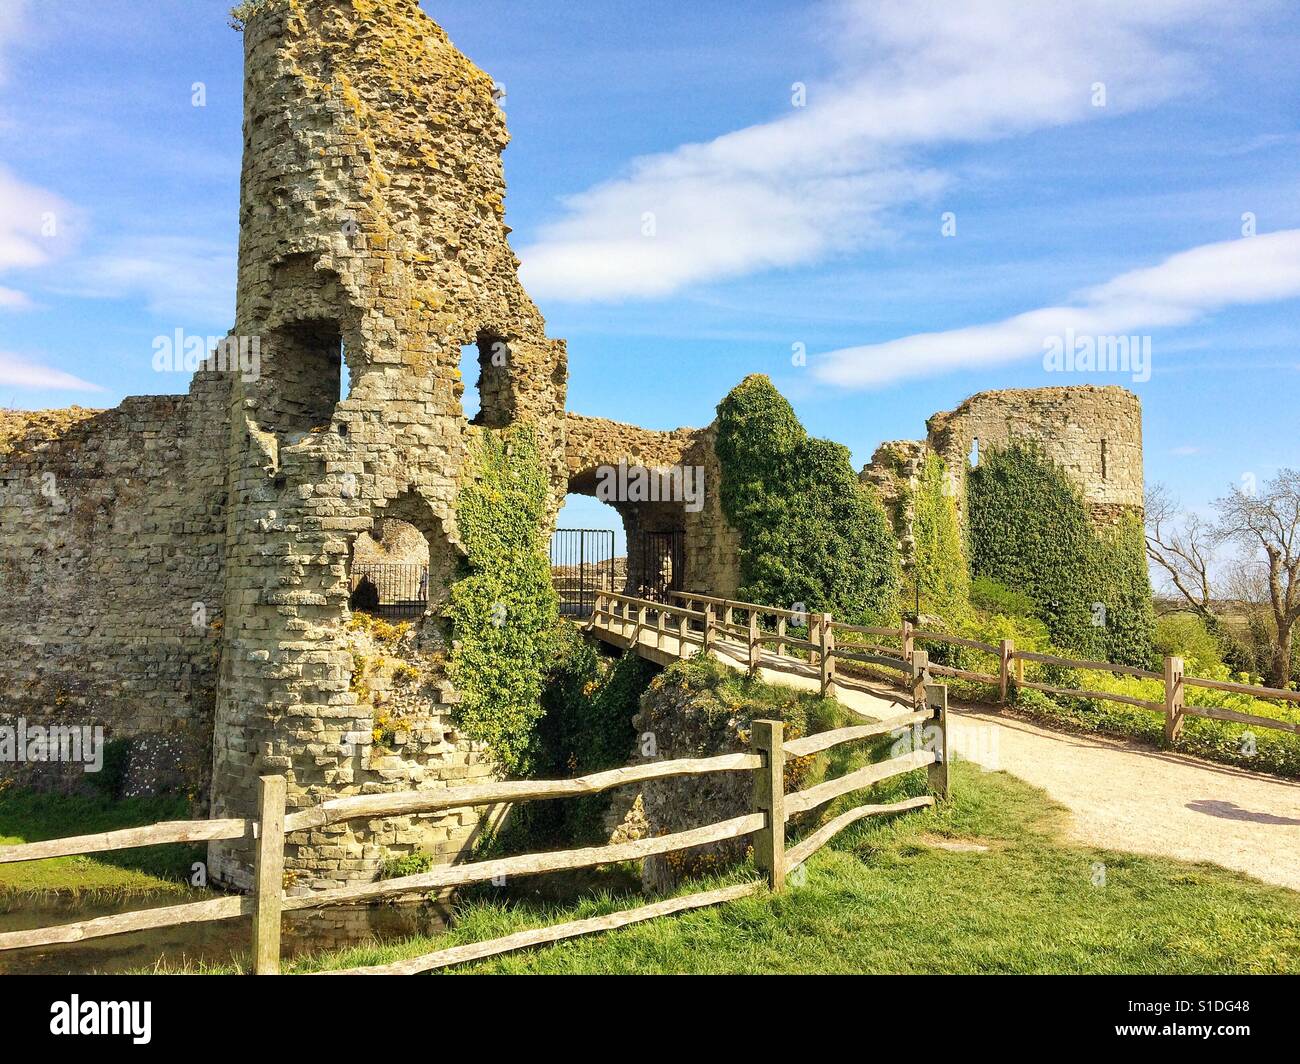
(373, 248)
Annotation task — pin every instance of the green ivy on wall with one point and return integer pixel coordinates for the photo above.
(1028, 529)
(940, 549)
(503, 608)
(810, 532)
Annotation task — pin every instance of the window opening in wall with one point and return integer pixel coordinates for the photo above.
(485, 368)
(303, 376)
(390, 572)
(1103, 459)
(975, 452)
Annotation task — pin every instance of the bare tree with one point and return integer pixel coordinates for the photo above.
(1268, 521)
(1182, 544)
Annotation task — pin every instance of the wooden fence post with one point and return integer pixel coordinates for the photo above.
(936, 696)
(1174, 698)
(827, 656)
(683, 630)
(641, 615)
(920, 663)
(268, 876)
(780, 633)
(661, 626)
(1004, 670)
(814, 636)
(909, 641)
(767, 740)
(755, 647)
(708, 627)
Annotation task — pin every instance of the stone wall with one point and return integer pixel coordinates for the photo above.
(111, 578)
(1093, 433)
(711, 545)
(372, 212)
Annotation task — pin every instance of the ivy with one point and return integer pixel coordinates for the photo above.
(503, 609)
(810, 531)
(941, 567)
(1029, 530)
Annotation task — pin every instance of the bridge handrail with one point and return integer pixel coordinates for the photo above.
(802, 616)
(650, 606)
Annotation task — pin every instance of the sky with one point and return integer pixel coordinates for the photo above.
(886, 207)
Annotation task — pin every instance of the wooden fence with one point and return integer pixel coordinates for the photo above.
(770, 811)
(767, 625)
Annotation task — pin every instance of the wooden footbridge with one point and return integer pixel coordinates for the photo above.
(811, 652)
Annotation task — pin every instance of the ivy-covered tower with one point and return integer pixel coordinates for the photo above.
(373, 250)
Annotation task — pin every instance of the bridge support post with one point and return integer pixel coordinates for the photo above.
(1174, 698)
(755, 647)
(708, 628)
(767, 740)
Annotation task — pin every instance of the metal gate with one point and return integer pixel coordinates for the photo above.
(582, 563)
(390, 589)
(662, 566)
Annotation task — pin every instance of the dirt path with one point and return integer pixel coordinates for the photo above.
(1128, 797)
(1122, 796)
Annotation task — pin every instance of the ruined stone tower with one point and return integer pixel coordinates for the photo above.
(372, 249)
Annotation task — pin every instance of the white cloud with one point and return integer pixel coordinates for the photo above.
(913, 74)
(1181, 289)
(180, 277)
(19, 372)
(35, 229)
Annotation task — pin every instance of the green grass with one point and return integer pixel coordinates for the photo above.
(29, 817)
(884, 899)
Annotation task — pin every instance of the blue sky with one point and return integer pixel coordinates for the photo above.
(775, 225)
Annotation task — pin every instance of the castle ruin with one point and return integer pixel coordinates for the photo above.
(178, 569)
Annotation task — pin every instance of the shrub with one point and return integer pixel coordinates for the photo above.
(994, 597)
(810, 531)
(1184, 635)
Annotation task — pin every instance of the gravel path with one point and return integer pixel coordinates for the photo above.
(1122, 796)
(1128, 797)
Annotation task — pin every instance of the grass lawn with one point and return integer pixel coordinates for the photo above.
(887, 899)
(30, 817)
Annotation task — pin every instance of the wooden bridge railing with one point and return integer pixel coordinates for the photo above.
(770, 811)
(768, 625)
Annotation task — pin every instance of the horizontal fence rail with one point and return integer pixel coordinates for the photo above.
(768, 626)
(771, 809)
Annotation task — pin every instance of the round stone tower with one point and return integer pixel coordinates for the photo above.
(372, 250)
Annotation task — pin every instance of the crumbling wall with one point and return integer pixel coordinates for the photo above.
(711, 545)
(1093, 433)
(373, 231)
(111, 579)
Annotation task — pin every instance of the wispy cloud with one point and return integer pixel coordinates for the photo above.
(19, 372)
(818, 180)
(1179, 290)
(186, 278)
(36, 227)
